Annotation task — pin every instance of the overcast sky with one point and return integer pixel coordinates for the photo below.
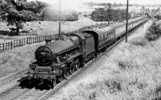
(131, 1)
(78, 4)
(117, 1)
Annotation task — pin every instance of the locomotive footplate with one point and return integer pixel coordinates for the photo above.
(42, 73)
(48, 76)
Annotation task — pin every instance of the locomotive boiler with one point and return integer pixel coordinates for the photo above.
(56, 60)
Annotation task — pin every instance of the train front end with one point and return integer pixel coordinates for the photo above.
(50, 65)
(46, 66)
(44, 70)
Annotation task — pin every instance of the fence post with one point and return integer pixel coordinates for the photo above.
(39, 38)
(6, 47)
(23, 42)
(11, 45)
(20, 43)
(43, 38)
(1, 47)
(31, 40)
(17, 43)
(34, 39)
(14, 43)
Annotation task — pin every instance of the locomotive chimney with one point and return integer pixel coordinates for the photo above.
(48, 41)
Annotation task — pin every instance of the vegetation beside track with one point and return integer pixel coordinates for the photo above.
(154, 32)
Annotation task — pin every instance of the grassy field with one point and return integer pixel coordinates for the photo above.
(51, 27)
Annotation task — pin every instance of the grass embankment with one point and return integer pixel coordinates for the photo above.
(131, 72)
(17, 59)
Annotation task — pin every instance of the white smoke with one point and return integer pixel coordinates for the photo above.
(63, 8)
(72, 5)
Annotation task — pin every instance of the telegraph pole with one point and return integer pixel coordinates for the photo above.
(59, 22)
(127, 10)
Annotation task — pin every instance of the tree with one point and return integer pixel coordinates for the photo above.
(102, 14)
(16, 12)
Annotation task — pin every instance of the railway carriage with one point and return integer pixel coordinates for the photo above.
(56, 60)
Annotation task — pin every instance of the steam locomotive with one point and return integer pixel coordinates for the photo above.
(58, 59)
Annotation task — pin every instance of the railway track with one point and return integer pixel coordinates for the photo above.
(10, 81)
(12, 93)
(32, 94)
(16, 93)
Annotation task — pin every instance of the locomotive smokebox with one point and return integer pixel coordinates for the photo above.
(44, 55)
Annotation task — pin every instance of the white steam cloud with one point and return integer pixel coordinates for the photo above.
(72, 5)
(67, 8)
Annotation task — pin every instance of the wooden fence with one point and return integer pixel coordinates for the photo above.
(25, 41)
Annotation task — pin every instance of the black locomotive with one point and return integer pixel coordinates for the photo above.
(58, 59)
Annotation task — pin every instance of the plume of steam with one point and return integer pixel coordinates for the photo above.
(52, 14)
(69, 9)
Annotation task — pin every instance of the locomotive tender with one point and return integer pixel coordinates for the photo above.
(57, 59)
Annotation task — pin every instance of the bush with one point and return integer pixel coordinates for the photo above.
(154, 32)
(156, 94)
(113, 85)
(124, 65)
(139, 41)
